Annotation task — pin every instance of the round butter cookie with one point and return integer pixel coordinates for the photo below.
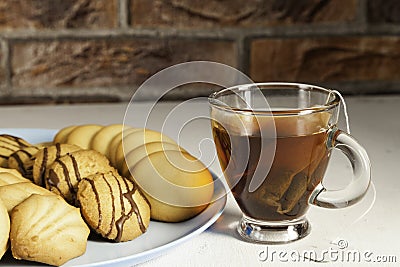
(46, 156)
(4, 229)
(63, 176)
(22, 160)
(116, 140)
(113, 206)
(62, 135)
(135, 155)
(82, 135)
(8, 145)
(177, 185)
(46, 229)
(136, 139)
(103, 137)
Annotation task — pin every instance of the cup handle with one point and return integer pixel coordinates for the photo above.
(361, 170)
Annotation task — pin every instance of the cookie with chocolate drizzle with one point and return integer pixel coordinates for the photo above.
(113, 206)
(23, 160)
(46, 156)
(8, 145)
(62, 177)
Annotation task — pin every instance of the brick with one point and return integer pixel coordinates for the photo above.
(383, 11)
(326, 59)
(234, 13)
(3, 67)
(59, 14)
(107, 62)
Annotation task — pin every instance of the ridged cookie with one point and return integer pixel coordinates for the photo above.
(4, 229)
(63, 176)
(22, 160)
(46, 229)
(11, 177)
(46, 156)
(8, 145)
(13, 194)
(113, 206)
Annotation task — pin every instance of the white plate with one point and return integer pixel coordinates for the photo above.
(156, 241)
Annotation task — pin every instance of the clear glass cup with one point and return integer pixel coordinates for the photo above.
(274, 142)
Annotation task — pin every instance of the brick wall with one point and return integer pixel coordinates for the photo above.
(101, 50)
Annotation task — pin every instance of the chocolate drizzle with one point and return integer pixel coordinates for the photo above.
(97, 200)
(112, 205)
(43, 165)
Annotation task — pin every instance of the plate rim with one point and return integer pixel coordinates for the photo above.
(152, 253)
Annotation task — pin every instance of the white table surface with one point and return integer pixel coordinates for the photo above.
(374, 122)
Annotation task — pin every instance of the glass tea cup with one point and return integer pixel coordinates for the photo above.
(274, 142)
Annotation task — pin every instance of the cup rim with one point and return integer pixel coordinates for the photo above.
(212, 99)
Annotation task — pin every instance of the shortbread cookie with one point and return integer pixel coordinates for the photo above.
(22, 160)
(117, 139)
(135, 155)
(11, 177)
(8, 145)
(13, 194)
(46, 229)
(62, 135)
(4, 229)
(46, 156)
(177, 185)
(63, 175)
(82, 135)
(136, 139)
(103, 137)
(113, 206)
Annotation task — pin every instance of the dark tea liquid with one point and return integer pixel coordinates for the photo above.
(298, 166)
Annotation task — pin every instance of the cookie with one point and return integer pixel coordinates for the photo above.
(177, 185)
(8, 145)
(13, 194)
(12, 171)
(134, 140)
(48, 230)
(22, 160)
(46, 156)
(135, 155)
(113, 206)
(82, 135)
(103, 137)
(11, 177)
(62, 135)
(63, 176)
(117, 139)
(4, 229)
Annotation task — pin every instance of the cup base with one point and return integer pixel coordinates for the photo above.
(272, 232)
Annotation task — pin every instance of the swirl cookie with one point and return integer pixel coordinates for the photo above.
(46, 156)
(13, 194)
(22, 160)
(4, 229)
(63, 176)
(113, 206)
(8, 145)
(11, 176)
(46, 229)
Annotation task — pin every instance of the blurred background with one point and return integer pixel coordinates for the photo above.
(67, 51)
